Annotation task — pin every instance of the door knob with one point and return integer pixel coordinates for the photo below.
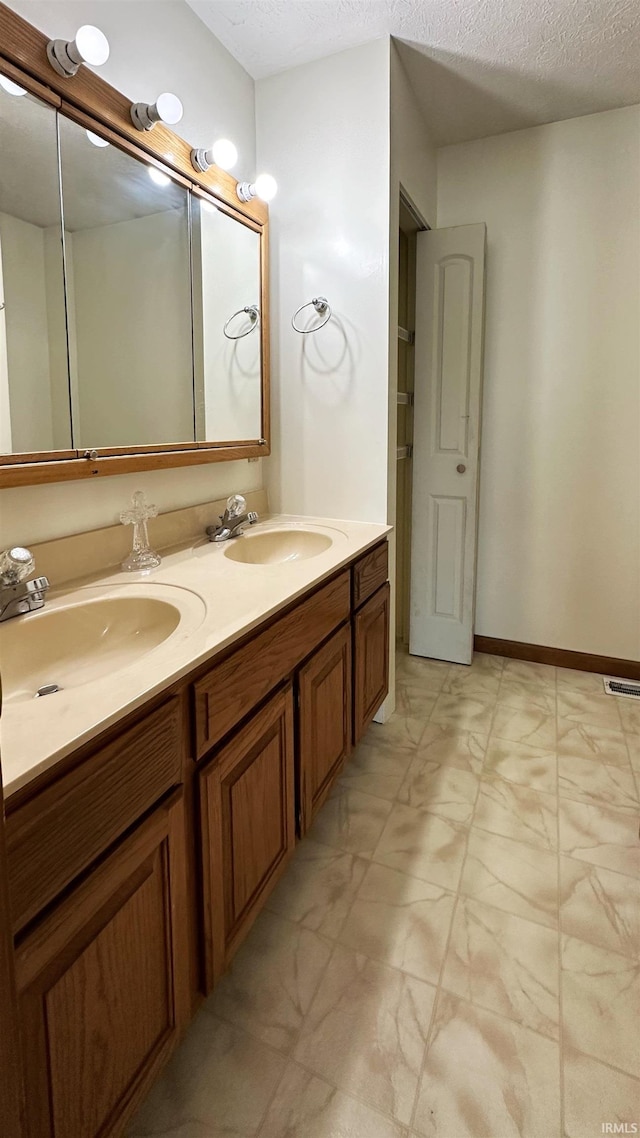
(461, 468)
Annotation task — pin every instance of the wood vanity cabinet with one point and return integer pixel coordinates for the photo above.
(138, 867)
(370, 597)
(103, 985)
(324, 706)
(247, 800)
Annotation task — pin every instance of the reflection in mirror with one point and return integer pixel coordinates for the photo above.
(34, 376)
(228, 338)
(126, 228)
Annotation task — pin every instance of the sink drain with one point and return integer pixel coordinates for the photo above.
(47, 689)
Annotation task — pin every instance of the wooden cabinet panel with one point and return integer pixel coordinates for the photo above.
(60, 831)
(371, 659)
(369, 573)
(325, 721)
(103, 985)
(225, 695)
(248, 827)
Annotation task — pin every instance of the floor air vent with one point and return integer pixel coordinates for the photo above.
(629, 688)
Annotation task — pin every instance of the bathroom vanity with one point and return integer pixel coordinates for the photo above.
(139, 859)
(197, 717)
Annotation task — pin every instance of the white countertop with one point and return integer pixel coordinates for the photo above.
(224, 600)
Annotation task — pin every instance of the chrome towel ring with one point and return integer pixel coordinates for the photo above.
(322, 307)
(253, 312)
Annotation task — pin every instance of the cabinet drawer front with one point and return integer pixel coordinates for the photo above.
(60, 831)
(369, 573)
(225, 695)
(371, 659)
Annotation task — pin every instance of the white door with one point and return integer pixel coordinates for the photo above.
(446, 440)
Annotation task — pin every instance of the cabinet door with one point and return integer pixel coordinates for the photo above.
(103, 986)
(371, 659)
(248, 827)
(325, 721)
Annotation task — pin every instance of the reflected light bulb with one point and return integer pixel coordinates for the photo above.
(158, 177)
(266, 187)
(96, 139)
(10, 87)
(224, 154)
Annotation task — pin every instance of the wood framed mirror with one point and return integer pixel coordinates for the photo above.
(124, 346)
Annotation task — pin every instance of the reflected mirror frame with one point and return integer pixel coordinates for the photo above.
(100, 107)
(48, 97)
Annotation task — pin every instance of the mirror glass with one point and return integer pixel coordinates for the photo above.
(126, 236)
(34, 383)
(227, 325)
(130, 313)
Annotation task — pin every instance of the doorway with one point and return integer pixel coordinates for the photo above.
(409, 226)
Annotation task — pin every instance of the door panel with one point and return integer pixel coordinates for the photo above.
(103, 985)
(448, 392)
(371, 662)
(247, 805)
(325, 721)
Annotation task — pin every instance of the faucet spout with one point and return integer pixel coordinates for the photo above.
(234, 518)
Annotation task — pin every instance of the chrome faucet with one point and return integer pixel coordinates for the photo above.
(17, 595)
(234, 518)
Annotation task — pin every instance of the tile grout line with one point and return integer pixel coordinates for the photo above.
(335, 945)
(439, 988)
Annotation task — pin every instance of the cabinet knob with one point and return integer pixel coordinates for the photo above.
(461, 468)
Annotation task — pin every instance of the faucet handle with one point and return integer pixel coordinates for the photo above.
(236, 505)
(16, 564)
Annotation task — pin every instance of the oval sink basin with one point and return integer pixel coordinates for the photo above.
(72, 644)
(273, 547)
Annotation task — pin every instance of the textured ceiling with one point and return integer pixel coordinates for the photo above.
(478, 67)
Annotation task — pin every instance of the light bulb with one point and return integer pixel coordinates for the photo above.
(266, 187)
(92, 45)
(169, 108)
(158, 177)
(96, 139)
(224, 154)
(10, 87)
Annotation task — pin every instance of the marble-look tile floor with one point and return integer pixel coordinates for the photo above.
(454, 951)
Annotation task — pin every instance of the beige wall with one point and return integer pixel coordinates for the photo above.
(218, 97)
(132, 323)
(413, 169)
(22, 250)
(559, 548)
(323, 131)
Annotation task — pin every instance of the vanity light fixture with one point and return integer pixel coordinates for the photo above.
(10, 87)
(90, 46)
(96, 139)
(265, 187)
(223, 154)
(167, 109)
